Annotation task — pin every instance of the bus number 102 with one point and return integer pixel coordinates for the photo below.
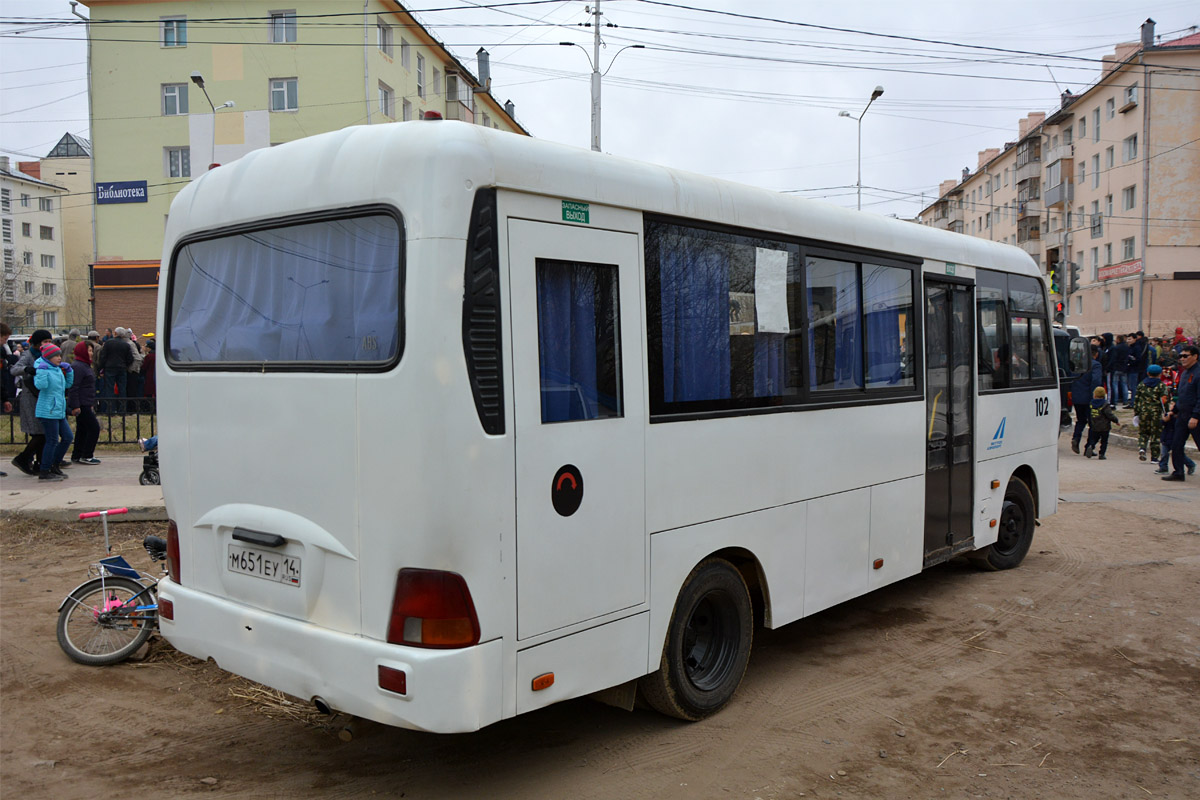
(1041, 406)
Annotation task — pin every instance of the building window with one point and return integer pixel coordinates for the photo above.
(283, 26)
(6, 200)
(405, 54)
(1082, 171)
(27, 229)
(1068, 136)
(45, 203)
(1108, 158)
(1096, 125)
(1129, 148)
(30, 318)
(46, 232)
(25, 201)
(8, 231)
(1130, 96)
(47, 263)
(48, 289)
(174, 99)
(1107, 302)
(407, 111)
(174, 31)
(1082, 128)
(1108, 253)
(1127, 298)
(50, 319)
(1095, 253)
(284, 94)
(383, 33)
(1096, 171)
(28, 287)
(437, 82)
(1006, 176)
(387, 100)
(1110, 108)
(1108, 205)
(1128, 198)
(179, 162)
(27, 258)
(1127, 248)
(420, 75)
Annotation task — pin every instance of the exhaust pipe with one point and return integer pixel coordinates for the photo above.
(322, 706)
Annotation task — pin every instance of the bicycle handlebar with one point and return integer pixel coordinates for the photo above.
(90, 514)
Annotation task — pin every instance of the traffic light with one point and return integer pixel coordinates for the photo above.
(1073, 284)
(1054, 287)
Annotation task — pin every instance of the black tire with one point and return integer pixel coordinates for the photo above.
(94, 637)
(149, 477)
(1015, 534)
(708, 644)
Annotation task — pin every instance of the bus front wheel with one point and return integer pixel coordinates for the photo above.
(1015, 533)
(708, 644)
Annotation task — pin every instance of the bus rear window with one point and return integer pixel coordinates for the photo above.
(322, 293)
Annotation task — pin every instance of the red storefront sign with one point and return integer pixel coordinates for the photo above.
(1120, 270)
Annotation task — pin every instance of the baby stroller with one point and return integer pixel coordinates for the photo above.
(149, 476)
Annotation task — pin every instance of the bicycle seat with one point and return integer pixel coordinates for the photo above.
(156, 546)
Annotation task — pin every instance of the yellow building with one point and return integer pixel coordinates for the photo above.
(178, 86)
(69, 165)
(1103, 190)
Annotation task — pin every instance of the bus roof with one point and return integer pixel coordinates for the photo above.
(405, 163)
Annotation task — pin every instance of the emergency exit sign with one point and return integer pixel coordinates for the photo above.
(575, 212)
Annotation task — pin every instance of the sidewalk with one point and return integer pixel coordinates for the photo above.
(111, 484)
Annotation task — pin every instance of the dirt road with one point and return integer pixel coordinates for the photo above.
(1075, 676)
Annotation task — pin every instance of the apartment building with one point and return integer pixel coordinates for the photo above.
(69, 165)
(1103, 193)
(180, 87)
(31, 221)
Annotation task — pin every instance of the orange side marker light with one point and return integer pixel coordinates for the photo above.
(543, 681)
(879, 563)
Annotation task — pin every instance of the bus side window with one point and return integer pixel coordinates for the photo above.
(579, 343)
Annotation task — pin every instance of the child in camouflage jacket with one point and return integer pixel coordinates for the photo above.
(1149, 406)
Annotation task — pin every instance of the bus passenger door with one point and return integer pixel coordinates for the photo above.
(578, 398)
(949, 411)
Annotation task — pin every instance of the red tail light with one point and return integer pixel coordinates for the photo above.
(432, 609)
(166, 609)
(173, 551)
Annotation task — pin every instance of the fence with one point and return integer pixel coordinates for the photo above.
(123, 420)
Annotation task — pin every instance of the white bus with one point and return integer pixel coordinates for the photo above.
(457, 424)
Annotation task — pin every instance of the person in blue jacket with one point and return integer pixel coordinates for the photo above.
(52, 379)
(1081, 397)
(1186, 411)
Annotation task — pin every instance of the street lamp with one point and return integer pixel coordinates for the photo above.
(875, 95)
(198, 79)
(594, 61)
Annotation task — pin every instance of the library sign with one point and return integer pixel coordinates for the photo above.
(121, 192)
(1120, 270)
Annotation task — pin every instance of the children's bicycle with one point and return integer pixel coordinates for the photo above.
(107, 618)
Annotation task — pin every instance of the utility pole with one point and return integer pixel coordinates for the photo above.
(596, 79)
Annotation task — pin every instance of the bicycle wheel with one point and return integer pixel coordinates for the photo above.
(96, 628)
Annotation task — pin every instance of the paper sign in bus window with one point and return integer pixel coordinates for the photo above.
(770, 290)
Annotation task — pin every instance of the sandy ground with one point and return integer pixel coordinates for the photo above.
(1075, 676)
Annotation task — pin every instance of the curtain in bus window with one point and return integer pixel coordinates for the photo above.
(1039, 349)
(887, 317)
(578, 341)
(835, 353)
(961, 385)
(696, 313)
(325, 291)
(1019, 343)
(992, 329)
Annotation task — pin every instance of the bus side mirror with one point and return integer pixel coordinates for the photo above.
(1080, 355)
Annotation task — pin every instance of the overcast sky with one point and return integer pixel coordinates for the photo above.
(751, 100)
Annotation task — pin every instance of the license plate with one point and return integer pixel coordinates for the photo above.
(266, 565)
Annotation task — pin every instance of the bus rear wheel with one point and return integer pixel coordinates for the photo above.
(1015, 533)
(708, 644)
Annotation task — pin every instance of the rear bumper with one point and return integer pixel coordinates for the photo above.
(448, 691)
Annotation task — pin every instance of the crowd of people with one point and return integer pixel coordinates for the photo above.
(1159, 379)
(48, 381)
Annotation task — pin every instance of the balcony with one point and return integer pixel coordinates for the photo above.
(1060, 152)
(1030, 169)
(1053, 241)
(955, 215)
(1063, 193)
(1033, 247)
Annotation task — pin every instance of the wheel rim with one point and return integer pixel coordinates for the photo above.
(1012, 527)
(710, 641)
(97, 632)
